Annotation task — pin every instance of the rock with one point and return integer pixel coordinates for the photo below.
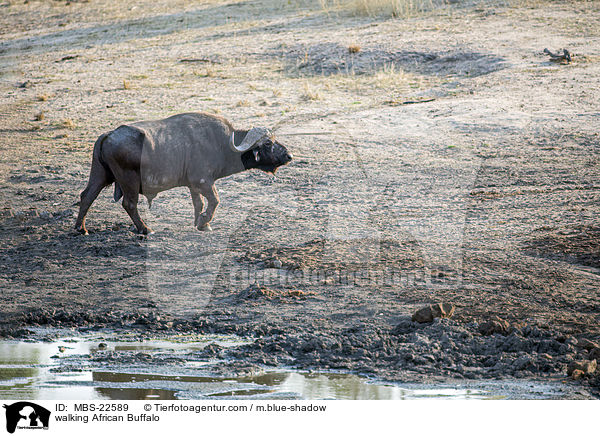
(585, 366)
(495, 325)
(571, 340)
(211, 350)
(297, 293)
(422, 315)
(428, 313)
(443, 310)
(255, 292)
(102, 346)
(586, 344)
(521, 363)
(594, 354)
(577, 374)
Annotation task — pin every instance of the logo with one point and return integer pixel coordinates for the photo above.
(26, 415)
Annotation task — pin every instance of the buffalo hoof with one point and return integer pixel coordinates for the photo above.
(205, 228)
(142, 231)
(81, 230)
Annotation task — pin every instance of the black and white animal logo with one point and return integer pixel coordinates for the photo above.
(24, 414)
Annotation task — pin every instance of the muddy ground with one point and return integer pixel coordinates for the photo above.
(438, 158)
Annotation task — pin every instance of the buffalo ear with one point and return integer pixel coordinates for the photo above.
(256, 156)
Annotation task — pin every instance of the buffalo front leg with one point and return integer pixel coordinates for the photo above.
(210, 193)
(198, 204)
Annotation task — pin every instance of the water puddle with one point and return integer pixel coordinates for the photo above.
(78, 368)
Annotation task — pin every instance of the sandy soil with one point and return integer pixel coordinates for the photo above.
(448, 160)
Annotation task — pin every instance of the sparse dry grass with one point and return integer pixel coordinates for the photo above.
(309, 93)
(68, 123)
(393, 8)
(390, 77)
(242, 103)
(209, 71)
(126, 84)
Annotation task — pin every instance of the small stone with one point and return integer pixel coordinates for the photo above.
(423, 315)
(586, 344)
(438, 310)
(594, 354)
(102, 346)
(577, 374)
(443, 310)
(277, 263)
(586, 366)
(495, 325)
(521, 363)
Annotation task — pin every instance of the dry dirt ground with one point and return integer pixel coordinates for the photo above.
(438, 158)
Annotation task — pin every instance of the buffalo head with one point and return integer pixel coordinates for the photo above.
(260, 150)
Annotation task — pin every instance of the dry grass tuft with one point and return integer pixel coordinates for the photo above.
(310, 94)
(42, 97)
(126, 84)
(39, 117)
(207, 72)
(354, 48)
(389, 77)
(242, 103)
(67, 123)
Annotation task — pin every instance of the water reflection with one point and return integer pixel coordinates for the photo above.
(135, 394)
(286, 384)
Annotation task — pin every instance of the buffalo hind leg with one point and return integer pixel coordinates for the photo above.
(210, 193)
(130, 205)
(130, 202)
(99, 179)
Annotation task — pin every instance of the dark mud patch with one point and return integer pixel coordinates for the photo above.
(330, 58)
(579, 245)
(413, 351)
